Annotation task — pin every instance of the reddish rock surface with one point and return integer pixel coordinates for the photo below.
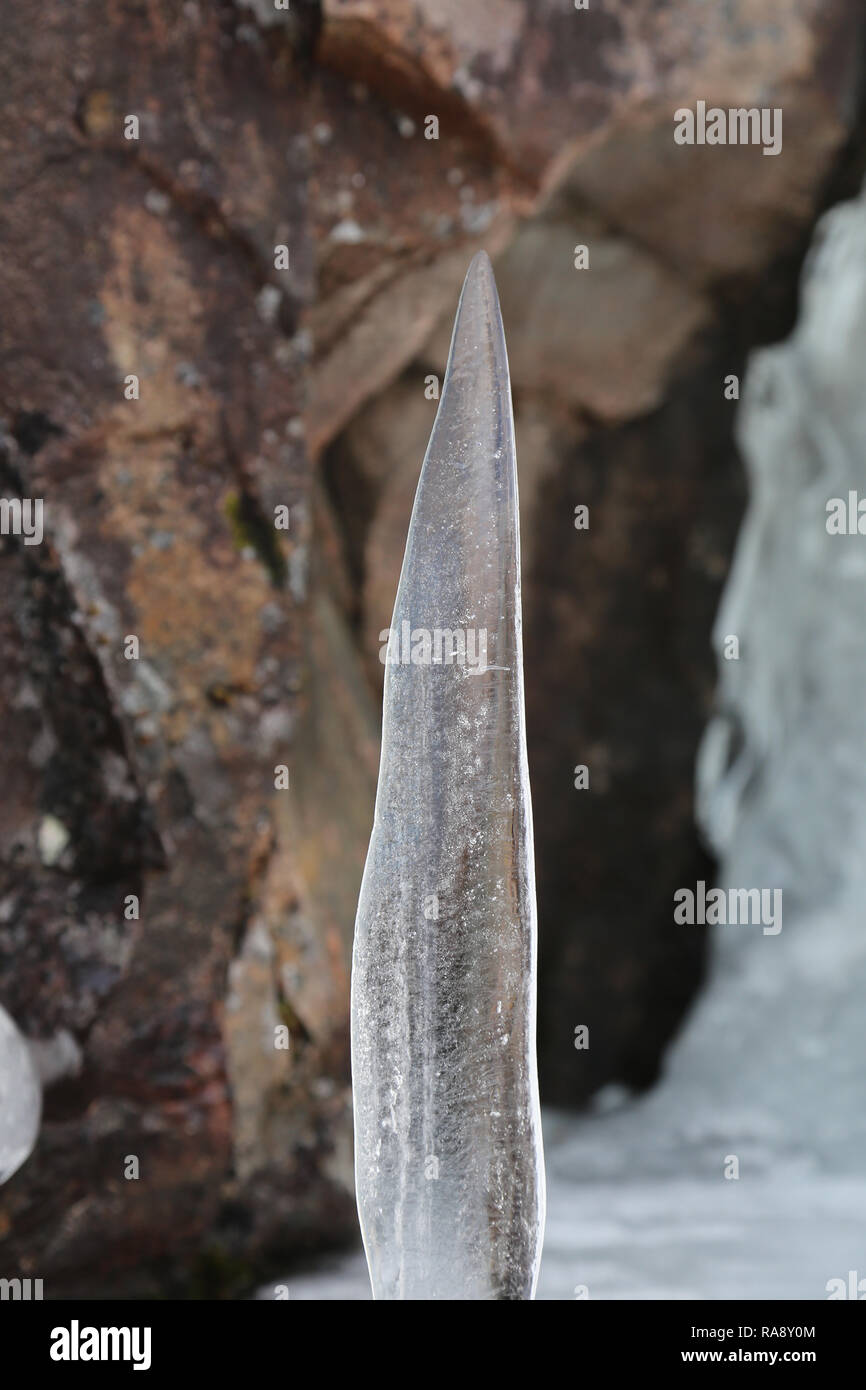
(305, 387)
(155, 257)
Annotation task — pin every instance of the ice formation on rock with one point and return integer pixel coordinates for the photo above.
(448, 1152)
(20, 1098)
(769, 1069)
(782, 774)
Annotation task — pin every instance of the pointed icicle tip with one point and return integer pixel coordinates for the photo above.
(479, 293)
(475, 405)
(480, 264)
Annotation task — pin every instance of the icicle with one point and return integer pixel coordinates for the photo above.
(20, 1098)
(448, 1160)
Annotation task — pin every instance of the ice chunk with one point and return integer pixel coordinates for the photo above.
(20, 1098)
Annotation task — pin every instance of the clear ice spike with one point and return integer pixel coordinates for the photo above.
(448, 1161)
(20, 1098)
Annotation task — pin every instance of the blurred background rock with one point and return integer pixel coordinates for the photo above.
(308, 387)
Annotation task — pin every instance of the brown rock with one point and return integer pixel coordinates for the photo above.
(529, 103)
(154, 777)
(603, 340)
(397, 218)
(157, 772)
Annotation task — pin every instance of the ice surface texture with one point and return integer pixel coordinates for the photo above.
(20, 1098)
(448, 1159)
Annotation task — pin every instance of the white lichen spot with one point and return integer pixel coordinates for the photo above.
(268, 303)
(347, 232)
(52, 839)
(468, 86)
(157, 202)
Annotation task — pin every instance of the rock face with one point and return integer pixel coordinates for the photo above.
(140, 856)
(163, 908)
